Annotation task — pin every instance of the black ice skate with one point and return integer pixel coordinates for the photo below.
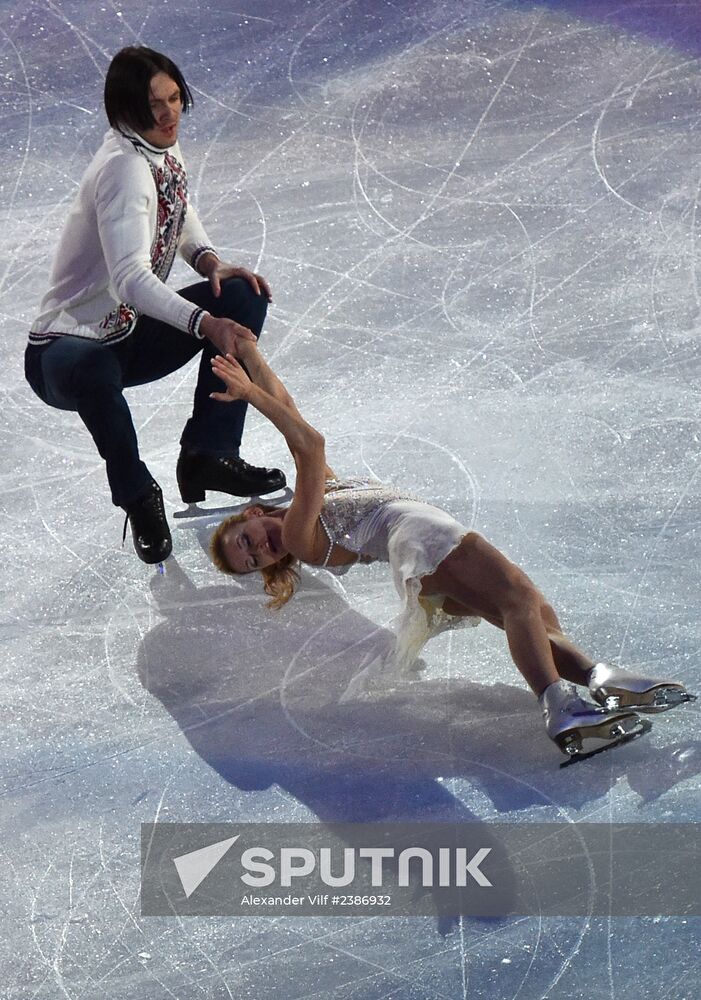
(580, 728)
(616, 688)
(149, 527)
(197, 473)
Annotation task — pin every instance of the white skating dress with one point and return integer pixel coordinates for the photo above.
(381, 523)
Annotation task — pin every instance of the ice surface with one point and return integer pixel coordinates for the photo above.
(480, 222)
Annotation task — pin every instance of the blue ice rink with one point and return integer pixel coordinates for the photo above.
(480, 221)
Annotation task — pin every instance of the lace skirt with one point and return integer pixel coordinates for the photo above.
(420, 537)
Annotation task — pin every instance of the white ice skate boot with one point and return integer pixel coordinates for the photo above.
(614, 688)
(579, 727)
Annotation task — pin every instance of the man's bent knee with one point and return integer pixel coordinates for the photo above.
(239, 302)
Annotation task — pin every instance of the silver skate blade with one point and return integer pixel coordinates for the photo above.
(656, 699)
(193, 510)
(235, 506)
(587, 738)
(641, 726)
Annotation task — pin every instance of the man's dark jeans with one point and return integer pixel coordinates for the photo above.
(73, 373)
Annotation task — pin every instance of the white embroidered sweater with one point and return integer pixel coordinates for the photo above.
(130, 217)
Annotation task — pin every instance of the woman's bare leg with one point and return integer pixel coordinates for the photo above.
(483, 581)
(571, 663)
(478, 576)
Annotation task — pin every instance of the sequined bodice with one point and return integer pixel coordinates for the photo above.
(352, 516)
(379, 522)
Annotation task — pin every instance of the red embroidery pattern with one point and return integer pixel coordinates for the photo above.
(120, 320)
(171, 190)
(171, 187)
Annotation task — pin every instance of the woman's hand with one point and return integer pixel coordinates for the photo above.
(238, 384)
(216, 271)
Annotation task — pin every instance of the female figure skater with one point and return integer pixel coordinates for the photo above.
(439, 568)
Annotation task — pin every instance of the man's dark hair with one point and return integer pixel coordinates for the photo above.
(127, 86)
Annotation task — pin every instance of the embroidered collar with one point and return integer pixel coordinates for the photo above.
(139, 141)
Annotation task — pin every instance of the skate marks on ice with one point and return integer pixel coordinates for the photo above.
(265, 710)
(529, 304)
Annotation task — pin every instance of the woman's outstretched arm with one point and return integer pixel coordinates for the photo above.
(300, 436)
(262, 375)
(302, 533)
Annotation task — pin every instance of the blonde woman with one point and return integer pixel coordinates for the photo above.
(440, 570)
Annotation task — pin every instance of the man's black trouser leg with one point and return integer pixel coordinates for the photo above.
(216, 428)
(72, 373)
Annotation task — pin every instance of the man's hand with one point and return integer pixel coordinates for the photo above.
(216, 271)
(226, 335)
(238, 384)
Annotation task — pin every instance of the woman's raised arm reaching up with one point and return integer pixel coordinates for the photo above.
(303, 535)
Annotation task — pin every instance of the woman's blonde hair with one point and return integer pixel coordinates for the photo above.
(279, 580)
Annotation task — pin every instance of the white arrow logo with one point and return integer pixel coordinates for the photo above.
(193, 868)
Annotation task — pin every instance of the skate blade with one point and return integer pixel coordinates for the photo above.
(643, 726)
(591, 739)
(657, 699)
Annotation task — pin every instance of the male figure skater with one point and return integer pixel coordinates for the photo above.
(109, 321)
